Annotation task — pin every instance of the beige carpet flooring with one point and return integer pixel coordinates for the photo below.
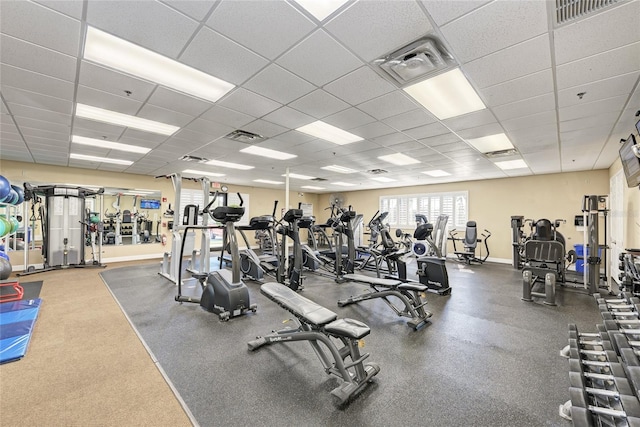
(85, 365)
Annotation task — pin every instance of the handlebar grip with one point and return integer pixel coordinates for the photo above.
(241, 200)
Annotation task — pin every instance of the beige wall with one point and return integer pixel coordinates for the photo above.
(631, 214)
(493, 202)
(260, 203)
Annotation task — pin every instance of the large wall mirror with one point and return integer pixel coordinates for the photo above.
(130, 217)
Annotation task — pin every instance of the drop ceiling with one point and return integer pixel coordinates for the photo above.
(290, 69)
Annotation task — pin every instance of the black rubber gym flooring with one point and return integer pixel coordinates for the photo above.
(486, 359)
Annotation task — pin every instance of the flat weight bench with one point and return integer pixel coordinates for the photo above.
(408, 293)
(320, 325)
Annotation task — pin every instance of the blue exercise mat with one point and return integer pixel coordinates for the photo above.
(16, 325)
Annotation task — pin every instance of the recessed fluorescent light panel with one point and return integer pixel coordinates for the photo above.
(491, 143)
(132, 59)
(339, 169)
(511, 164)
(436, 173)
(329, 133)
(446, 95)
(382, 179)
(298, 176)
(229, 165)
(266, 181)
(99, 159)
(197, 172)
(108, 144)
(321, 9)
(114, 118)
(343, 184)
(312, 187)
(399, 159)
(265, 152)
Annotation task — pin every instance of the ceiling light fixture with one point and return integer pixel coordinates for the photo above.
(115, 118)
(265, 152)
(343, 184)
(228, 165)
(267, 181)
(312, 187)
(436, 173)
(99, 159)
(339, 169)
(298, 176)
(491, 143)
(101, 143)
(382, 179)
(321, 9)
(330, 133)
(399, 159)
(447, 95)
(127, 57)
(199, 172)
(511, 164)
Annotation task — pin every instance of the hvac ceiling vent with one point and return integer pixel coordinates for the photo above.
(377, 171)
(318, 179)
(245, 137)
(415, 61)
(195, 159)
(501, 153)
(570, 10)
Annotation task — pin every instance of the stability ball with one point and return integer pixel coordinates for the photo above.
(5, 227)
(4, 255)
(5, 269)
(15, 224)
(20, 192)
(4, 187)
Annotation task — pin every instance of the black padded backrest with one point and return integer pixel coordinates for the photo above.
(471, 235)
(347, 216)
(227, 213)
(543, 230)
(261, 222)
(126, 216)
(387, 241)
(423, 231)
(292, 214)
(306, 221)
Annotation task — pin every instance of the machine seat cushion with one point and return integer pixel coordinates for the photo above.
(303, 308)
(228, 213)
(348, 328)
(389, 283)
(413, 287)
(292, 215)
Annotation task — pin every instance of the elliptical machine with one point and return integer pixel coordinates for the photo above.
(223, 291)
(293, 265)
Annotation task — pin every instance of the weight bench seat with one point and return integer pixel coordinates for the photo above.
(301, 307)
(387, 283)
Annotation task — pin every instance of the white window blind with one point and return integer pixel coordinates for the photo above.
(403, 209)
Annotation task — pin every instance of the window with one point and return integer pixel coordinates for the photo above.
(403, 209)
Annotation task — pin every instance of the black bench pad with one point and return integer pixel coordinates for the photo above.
(301, 307)
(349, 328)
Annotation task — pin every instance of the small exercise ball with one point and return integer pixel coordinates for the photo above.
(20, 192)
(5, 269)
(4, 255)
(12, 198)
(94, 219)
(15, 224)
(5, 187)
(5, 227)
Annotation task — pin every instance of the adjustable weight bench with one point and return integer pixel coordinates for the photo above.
(407, 292)
(320, 325)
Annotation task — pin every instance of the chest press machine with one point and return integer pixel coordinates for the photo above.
(319, 325)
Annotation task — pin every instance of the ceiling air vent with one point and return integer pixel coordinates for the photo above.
(570, 10)
(196, 159)
(318, 179)
(377, 171)
(244, 136)
(501, 153)
(415, 61)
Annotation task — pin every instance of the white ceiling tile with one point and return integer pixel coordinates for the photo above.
(602, 121)
(222, 58)
(106, 80)
(411, 119)
(480, 131)
(608, 64)
(443, 11)
(582, 39)
(39, 25)
(403, 147)
(319, 104)
(519, 89)
(319, 59)
(288, 117)
(264, 128)
(32, 57)
(227, 117)
(609, 105)
(175, 101)
(165, 30)
(359, 86)
(279, 84)
(39, 124)
(602, 89)
(111, 131)
(294, 137)
(196, 9)
(526, 107)
(427, 131)
(372, 130)
(516, 61)
(39, 114)
(389, 26)
(71, 8)
(349, 118)
(390, 104)
(391, 139)
(532, 121)
(45, 134)
(191, 135)
(147, 136)
(107, 101)
(495, 26)
(162, 115)
(249, 103)
(470, 120)
(268, 27)
(32, 99)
